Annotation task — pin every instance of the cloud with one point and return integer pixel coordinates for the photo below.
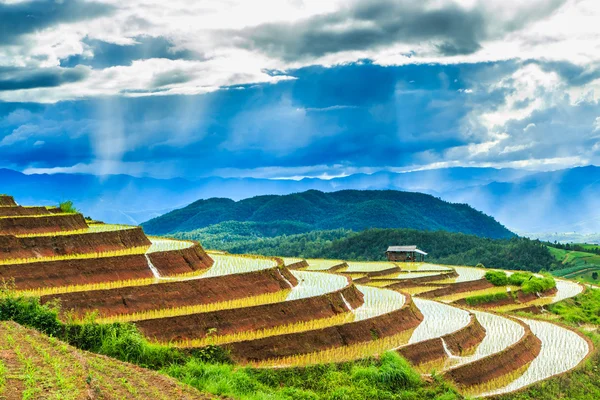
(366, 25)
(99, 54)
(30, 78)
(32, 16)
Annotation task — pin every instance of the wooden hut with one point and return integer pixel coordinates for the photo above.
(405, 253)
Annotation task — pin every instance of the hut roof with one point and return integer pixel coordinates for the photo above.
(400, 249)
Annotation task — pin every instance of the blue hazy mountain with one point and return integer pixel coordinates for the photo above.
(525, 201)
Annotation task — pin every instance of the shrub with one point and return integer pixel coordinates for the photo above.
(497, 278)
(519, 278)
(67, 207)
(538, 285)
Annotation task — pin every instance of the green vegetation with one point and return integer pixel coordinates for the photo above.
(583, 309)
(209, 369)
(370, 245)
(314, 210)
(528, 282)
(538, 285)
(576, 261)
(67, 207)
(497, 278)
(487, 298)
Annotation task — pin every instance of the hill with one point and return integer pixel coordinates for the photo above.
(369, 245)
(347, 209)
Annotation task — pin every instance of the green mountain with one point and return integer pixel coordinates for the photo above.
(348, 209)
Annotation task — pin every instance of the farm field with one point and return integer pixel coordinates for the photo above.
(578, 265)
(270, 312)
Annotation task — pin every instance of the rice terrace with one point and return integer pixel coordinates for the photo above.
(169, 304)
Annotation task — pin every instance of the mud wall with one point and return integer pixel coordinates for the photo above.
(177, 262)
(298, 265)
(134, 299)
(19, 210)
(407, 317)
(196, 326)
(337, 267)
(460, 287)
(42, 224)
(497, 365)
(76, 271)
(433, 349)
(7, 201)
(416, 281)
(12, 247)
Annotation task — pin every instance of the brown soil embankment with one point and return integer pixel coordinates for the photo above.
(132, 299)
(364, 331)
(499, 364)
(408, 282)
(21, 211)
(459, 287)
(298, 265)
(337, 267)
(12, 247)
(178, 262)
(7, 201)
(48, 223)
(196, 326)
(76, 271)
(457, 342)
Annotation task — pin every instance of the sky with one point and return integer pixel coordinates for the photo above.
(290, 89)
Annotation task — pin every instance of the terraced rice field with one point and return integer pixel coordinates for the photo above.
(266, 314)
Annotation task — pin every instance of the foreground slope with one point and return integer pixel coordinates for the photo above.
(350, 209)
(35, 366)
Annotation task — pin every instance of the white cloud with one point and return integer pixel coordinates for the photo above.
(570, 33)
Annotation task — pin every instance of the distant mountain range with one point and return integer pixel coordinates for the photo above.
(348, 209)
(525, 201)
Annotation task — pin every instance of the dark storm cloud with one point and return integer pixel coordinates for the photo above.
(31, 16)
(30, 78)
(109, 54)
(370, 24)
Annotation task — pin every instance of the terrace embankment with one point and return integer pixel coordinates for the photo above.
(460, 287)
(181, 261)
(363, 331)
(408, 282)
(48, 223)
(133, 299)
(498, 364)
(457, 342)
(196, 326)
(298, 265)
(76, 271)
(12, 247)
(338, 267)
(516, 297)
(21, 211)
(7, 201)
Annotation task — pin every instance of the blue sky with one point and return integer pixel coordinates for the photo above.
(297, 88)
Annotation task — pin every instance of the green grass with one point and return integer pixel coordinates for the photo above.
(487, 298)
